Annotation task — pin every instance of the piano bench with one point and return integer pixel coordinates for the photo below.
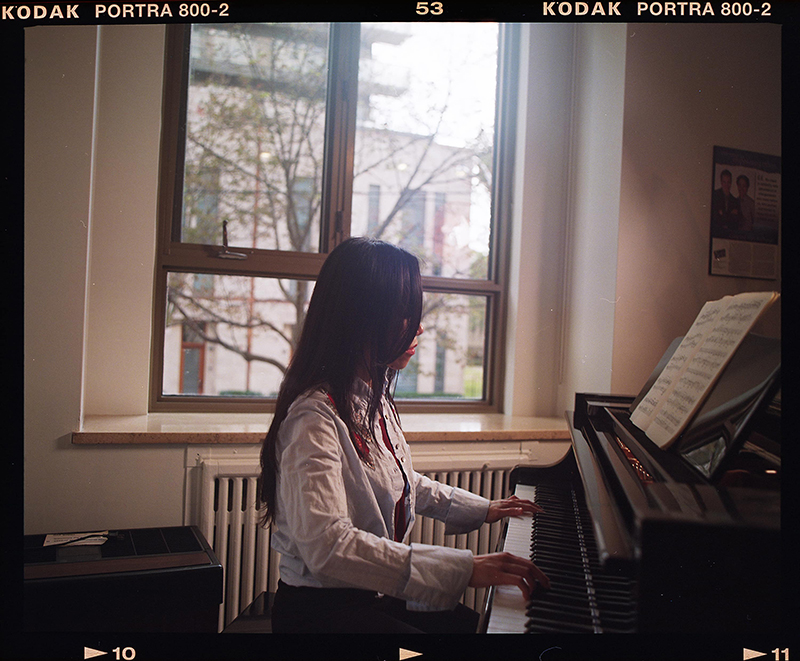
(256, 618)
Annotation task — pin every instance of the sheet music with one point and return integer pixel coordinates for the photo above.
(646, 410)
(694, 367)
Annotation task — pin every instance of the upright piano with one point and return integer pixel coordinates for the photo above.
(635, 538)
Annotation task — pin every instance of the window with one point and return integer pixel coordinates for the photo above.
(280, 140)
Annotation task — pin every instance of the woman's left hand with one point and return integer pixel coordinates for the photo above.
(511, 506)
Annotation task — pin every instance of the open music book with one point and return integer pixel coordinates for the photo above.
(695, 366)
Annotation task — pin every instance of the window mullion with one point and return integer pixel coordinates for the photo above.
(340, 132)
(504, 151)
(173, 143)
(500, 241)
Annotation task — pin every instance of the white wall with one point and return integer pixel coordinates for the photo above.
(123, 232)
(688, 87)
(566, 209)
(84, 185)
(539, 208)
(590, 262)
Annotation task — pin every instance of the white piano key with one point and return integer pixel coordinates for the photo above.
(509, 604)
(508, 610)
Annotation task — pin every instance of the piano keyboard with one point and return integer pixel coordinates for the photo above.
(582, 598)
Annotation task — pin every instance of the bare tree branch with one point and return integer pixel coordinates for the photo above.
(199, 329)
(173, 294)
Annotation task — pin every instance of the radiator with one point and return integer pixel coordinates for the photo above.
(226, 510)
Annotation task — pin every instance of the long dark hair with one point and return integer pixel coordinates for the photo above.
(364, 313)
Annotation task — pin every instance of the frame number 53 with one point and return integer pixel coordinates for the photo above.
(433, 8)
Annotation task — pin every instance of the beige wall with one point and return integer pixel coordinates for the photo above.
(687, 88)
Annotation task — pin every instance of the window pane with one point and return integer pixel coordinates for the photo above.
(255, 131)
(234, 335)
(449, 362)
(230, 335)
(424, 141)
(192, 370)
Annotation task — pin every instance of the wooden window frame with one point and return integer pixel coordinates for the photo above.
(174, 256)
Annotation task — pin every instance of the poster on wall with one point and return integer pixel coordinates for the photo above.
(745, 214)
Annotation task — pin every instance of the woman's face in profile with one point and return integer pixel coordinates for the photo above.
(402, 361)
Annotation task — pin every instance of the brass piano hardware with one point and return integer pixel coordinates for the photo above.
(641, 472)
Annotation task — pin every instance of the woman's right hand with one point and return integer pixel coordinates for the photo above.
(507, 569)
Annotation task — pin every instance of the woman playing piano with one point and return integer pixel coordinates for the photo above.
(337, 480)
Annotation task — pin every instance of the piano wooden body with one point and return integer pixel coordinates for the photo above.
(636, 539)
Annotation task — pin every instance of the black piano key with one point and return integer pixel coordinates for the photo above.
(570, 598)
(553, 625)
(573, 616)
(582, 597)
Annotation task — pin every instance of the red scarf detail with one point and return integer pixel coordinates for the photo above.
(358, 439)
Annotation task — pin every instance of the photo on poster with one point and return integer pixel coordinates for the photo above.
(745, 214)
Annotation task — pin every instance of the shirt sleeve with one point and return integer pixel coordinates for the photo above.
(459, 509)
(313, 495)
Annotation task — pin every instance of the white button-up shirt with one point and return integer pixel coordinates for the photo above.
(334, 525)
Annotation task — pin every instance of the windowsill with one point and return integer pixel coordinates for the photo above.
(250, 428)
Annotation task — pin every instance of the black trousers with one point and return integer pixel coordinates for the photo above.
(344, 610)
